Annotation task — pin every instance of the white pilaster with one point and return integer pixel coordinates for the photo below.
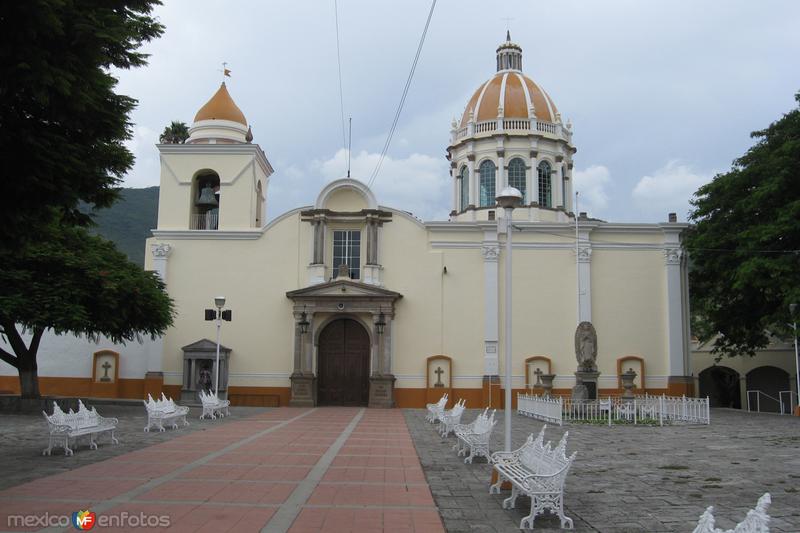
(473, 182)
(675, 344)
(558, 189)
(490, 250)
(161, 253)
(584, 277)
(500, 181)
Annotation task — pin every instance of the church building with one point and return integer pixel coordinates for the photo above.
(350, 301)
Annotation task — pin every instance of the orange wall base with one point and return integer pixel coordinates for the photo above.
(280, 396)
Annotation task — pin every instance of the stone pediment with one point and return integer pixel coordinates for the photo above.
(343, 289)
(204, 345)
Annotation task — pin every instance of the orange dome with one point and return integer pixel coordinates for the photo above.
(515, 93)
(221, 107)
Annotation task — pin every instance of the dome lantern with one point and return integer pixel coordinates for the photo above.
(509, 55)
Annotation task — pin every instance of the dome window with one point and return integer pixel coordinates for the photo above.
(463, 180)
(516, 177)
(545, 186)
(487, 187)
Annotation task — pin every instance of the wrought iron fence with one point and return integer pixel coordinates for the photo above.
(638, 410)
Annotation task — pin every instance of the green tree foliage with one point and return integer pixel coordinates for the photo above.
(71, 281)
(745, 246)
(62, 126)
(175, 133)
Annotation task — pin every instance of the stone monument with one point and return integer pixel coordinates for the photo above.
(586, 354)
(627, 384)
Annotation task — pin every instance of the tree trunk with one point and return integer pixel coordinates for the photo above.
(29, 377)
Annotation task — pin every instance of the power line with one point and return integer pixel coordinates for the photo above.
(402, 98)
(339, 62)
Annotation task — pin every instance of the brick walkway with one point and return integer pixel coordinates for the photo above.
(298, 470)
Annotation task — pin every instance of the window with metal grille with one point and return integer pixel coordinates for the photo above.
(516, 177)
(347, 251)
(544, 184)
(487, 170)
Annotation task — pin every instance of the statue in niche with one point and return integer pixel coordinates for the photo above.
(205, 378)
(586, 347)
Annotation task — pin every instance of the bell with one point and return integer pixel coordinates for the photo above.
(207, 198)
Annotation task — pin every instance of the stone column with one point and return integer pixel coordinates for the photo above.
(381, 382)
(154, 377)
(584, 277)
(557, 189)
(302, 378)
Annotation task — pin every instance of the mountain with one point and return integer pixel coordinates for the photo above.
(128, 222)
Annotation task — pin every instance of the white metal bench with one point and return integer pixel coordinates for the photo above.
(213, 407)
(756, 521)
(475, 436)
(538, 471)
(435, 410)
(64, 426)
(451, 417)
(164, 411)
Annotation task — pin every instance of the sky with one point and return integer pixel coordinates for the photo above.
(663, 95)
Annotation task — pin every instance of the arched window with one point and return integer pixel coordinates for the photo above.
(516, 177)
(464, 194)
(544, 184)
(487, 170)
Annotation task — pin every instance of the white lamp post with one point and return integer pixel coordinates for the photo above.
(219, 301)
(508, 199)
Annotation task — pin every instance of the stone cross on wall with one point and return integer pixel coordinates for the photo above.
(538, 372)
(106, 366)
(438, 373)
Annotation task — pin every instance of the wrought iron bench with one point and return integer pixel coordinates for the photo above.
(536, 470)
(475, 436)
(64, 426)
(756, 521)
(451, 418)
(164, 411)
(213, 407)
(435, 410)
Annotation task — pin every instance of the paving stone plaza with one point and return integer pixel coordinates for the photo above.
(361, 470)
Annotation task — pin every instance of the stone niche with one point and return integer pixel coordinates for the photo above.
(105, 374)
(199, 359)
(439, 372)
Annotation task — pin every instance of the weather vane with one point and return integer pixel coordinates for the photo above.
(225, 71)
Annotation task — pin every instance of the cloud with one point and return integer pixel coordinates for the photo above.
(592, 183)
(418, 183)
(146, 170)
(669, 188)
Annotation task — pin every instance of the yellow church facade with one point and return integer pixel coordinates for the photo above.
(350, 301)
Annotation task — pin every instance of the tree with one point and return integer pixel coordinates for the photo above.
(62, 126)
(71, 281)
(745, 245)
(175, 133)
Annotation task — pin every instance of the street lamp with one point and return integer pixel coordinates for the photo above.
(219, 315)
(508, 199)
(792, 311)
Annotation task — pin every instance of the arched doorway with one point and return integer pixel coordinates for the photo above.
(770, 380)
(343, 364)
(721, 385)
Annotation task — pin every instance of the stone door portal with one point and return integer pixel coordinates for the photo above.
(343, 364)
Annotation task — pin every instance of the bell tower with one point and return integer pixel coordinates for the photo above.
(218, 179)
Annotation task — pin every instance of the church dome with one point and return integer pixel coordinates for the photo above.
(509, 89)
(221, 107)
(220, 121)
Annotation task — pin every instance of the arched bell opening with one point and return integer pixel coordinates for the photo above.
(205, 201)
